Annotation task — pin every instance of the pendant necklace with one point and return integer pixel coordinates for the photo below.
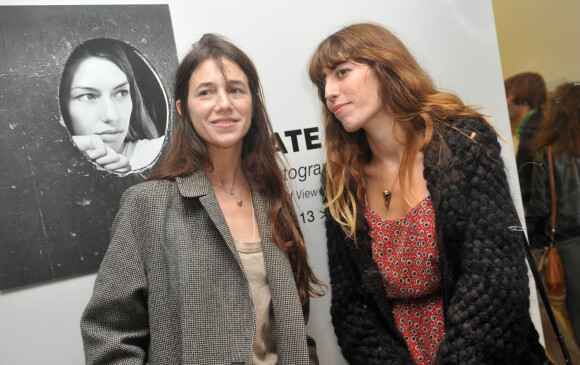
(387, 193)
(231, 191)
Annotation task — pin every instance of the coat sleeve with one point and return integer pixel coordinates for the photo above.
(312, 355)
(311, 343)
(487, 317)
(114, 325)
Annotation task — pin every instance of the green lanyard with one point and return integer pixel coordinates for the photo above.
(525, 121)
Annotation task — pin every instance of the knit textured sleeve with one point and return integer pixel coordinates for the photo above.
(364, 334)
(114, 325)
(488, 319)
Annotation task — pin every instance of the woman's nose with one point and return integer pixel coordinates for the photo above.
(108, 111)
(330, 89)
(223, 101)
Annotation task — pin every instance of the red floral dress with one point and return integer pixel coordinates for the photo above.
(405, 251)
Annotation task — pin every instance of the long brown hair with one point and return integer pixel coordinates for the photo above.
(262, 164)
(561, 123)
(408, 95)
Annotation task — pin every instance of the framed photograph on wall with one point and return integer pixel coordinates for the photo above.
(86, 112)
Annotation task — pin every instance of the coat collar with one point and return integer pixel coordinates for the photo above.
(194, 185)
(197, 184)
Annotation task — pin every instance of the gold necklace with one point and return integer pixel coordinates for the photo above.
(231, 191)
(387, 193)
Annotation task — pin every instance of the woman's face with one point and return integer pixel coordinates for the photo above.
(100, 102)
(352, 95)
(220, 104)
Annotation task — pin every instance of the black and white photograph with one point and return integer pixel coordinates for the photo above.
(86, 113)
(107, 110)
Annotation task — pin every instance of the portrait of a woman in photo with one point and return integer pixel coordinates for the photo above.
(105, 110)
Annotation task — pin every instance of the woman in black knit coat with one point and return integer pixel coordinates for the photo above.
(422, 264)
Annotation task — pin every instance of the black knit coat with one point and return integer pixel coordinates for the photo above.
(484, 275)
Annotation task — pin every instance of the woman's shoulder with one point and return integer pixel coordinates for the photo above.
(462, 144)
(469, 128)
(148, 192)
(466, 135)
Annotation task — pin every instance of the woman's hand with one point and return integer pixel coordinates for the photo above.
(103, 155)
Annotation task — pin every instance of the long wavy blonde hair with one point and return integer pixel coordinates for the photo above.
(408, 95)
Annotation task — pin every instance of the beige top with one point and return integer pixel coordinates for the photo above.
(265, 336)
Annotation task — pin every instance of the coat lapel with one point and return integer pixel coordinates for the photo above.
(290, 327)
(198, 185)
(231, 292)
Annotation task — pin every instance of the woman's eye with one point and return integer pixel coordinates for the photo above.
(236, 91)
(86, 97)
(343, 72)
(203, 93)
(122, 93)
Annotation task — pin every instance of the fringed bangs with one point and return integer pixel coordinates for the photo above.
(409, 96)
(328, 55)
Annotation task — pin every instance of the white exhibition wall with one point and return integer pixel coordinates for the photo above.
(454, 40)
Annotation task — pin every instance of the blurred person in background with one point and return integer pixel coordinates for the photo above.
(525, 93)
(560, 130)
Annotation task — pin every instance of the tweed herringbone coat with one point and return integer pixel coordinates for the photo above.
(171, 288)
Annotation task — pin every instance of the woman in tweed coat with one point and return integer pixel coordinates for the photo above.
(422, 264)
(207, 264)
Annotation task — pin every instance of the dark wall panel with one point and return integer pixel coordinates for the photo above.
(56, 207)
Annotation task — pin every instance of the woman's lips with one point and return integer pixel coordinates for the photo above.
(223, 122)
(110, 135)
(338, 108)
(110, 131)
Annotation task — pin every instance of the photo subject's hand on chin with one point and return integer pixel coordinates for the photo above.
(113, 161)
(103, 155)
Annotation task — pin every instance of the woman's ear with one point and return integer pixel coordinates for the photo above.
(178, 107)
